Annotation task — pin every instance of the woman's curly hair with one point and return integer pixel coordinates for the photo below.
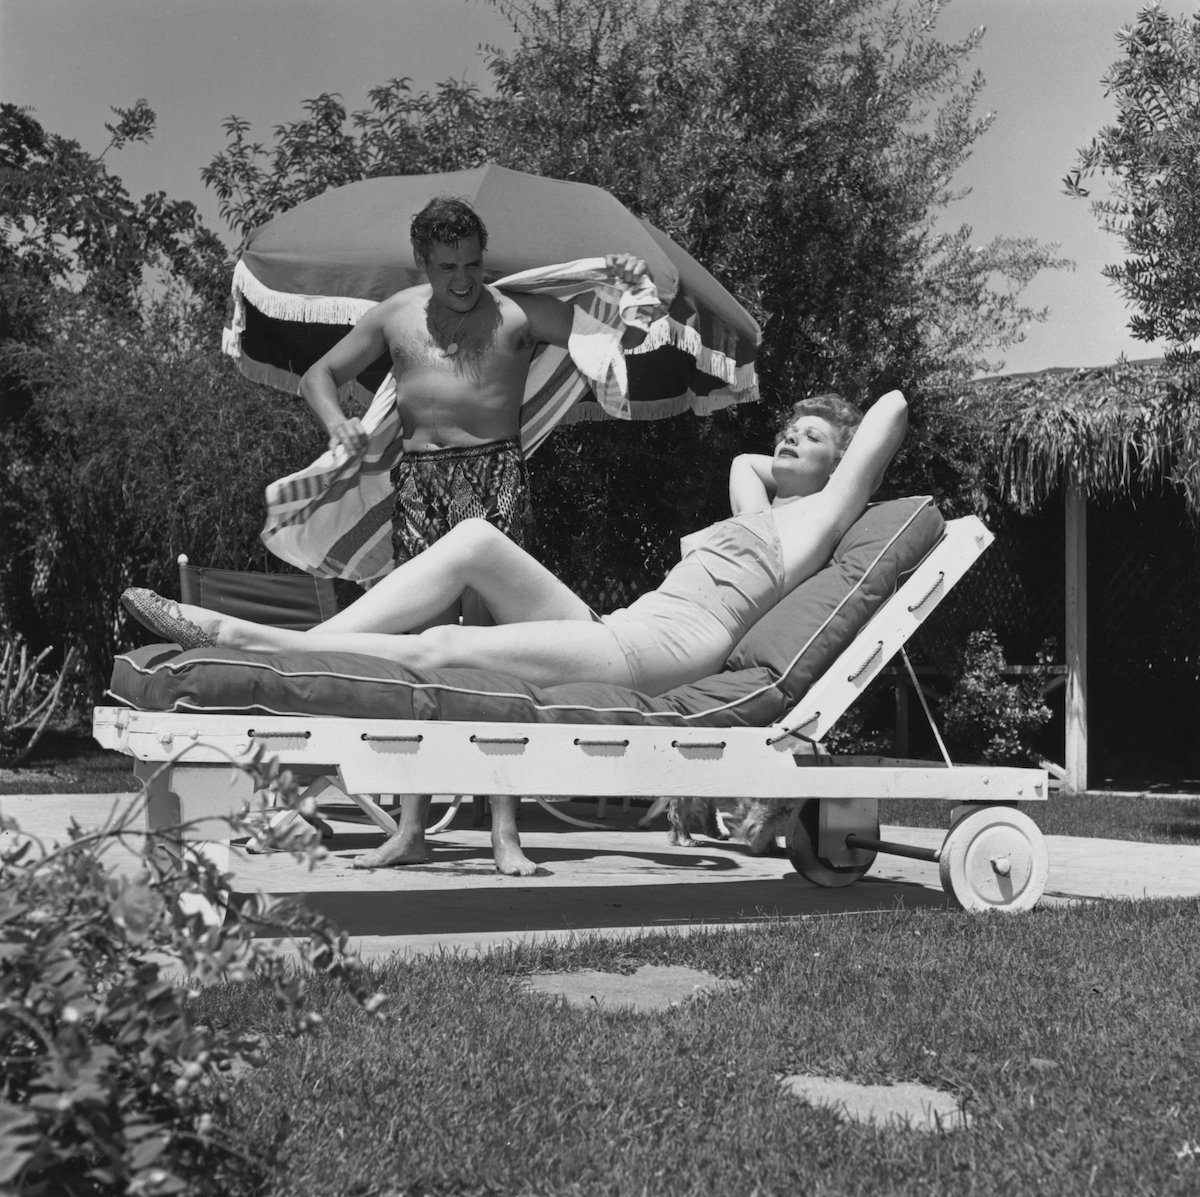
(831, 407)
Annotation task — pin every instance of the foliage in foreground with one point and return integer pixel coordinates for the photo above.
(1068, 1035)
(110, 1080)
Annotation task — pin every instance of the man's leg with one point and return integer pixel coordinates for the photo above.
(407, 845)
(500, 483)
(421, 516)
(506, 840)
(434, 493)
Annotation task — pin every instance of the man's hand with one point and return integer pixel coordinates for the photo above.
(350, 433)
(627, 269)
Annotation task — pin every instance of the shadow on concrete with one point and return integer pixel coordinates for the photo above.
(526, 907)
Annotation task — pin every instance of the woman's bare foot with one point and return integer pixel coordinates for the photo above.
(401, 849)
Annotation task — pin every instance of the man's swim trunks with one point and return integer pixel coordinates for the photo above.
(438, 488)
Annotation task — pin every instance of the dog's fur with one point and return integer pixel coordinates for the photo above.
(755, 822)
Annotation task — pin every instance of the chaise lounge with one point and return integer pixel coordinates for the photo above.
(755, 729)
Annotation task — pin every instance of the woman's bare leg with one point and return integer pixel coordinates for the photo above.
(514, 585)
(564, 644)
(473, 555)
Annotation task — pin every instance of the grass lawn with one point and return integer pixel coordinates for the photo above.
(1069, 1035)
(66, 760)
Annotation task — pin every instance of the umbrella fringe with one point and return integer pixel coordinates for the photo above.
(329, 309)
(285, 305)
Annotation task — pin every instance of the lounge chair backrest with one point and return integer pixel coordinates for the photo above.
(897, 618)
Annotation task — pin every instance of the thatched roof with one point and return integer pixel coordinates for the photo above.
(1112, 430)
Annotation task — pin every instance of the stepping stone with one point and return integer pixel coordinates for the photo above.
(908, 1105)
(652, 987)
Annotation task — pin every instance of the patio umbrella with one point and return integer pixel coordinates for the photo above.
(312, 271)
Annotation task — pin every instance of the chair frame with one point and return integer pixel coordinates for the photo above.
(993, 857)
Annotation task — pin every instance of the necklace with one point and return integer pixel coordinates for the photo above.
(452, 341)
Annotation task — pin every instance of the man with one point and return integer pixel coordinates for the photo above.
(460, 352)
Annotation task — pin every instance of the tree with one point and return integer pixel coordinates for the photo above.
(66, 222)
(137, 446)
(402, 133)
(802, 149)
(125, 436)
(1150, 160)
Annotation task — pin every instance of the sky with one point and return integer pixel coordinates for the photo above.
(199, 61)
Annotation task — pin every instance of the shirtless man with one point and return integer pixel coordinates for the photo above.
(460, 351)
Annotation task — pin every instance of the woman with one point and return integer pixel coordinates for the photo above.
(790, 510)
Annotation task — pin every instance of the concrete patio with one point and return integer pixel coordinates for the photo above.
(615, 881)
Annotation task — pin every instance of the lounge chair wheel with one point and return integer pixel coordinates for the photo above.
(801, 847)
(994, 858)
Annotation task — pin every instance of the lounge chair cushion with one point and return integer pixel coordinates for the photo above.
(766, 675)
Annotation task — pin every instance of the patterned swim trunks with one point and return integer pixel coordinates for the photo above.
(439, 488)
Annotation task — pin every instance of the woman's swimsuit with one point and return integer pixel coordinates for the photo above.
(731, 574)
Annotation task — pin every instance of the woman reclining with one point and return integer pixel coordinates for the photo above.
(791, 509)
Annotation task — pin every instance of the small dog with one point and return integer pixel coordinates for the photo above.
(755, 822)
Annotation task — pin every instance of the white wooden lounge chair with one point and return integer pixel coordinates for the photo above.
(754, 730)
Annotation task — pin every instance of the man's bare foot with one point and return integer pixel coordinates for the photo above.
(510, 859)
(399, 850)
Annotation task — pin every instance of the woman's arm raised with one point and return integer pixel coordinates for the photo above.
(751, 486)
(875, 442)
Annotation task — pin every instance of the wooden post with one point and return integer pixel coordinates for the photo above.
(1075, 569)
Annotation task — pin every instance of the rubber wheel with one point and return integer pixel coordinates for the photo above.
(801, 847)
(994, 858)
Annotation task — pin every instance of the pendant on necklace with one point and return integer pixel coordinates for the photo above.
(450, 349)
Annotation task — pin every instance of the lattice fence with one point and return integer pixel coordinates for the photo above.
(1143, 626)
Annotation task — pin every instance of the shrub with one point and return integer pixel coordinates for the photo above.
(988, 719)
(139, 441)
(109, 1085)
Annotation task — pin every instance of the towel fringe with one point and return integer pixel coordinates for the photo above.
(287, 381)
(659, 409)
(710, 361)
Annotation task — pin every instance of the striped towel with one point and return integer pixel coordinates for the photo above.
(334, 518)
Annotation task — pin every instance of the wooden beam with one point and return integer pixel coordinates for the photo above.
(1075, 569)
